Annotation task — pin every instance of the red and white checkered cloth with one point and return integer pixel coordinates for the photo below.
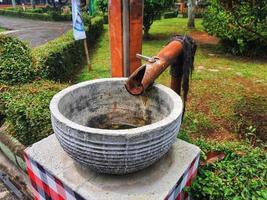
(185, 181)
(46, 186)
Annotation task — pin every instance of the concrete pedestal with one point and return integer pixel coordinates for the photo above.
(54, 175)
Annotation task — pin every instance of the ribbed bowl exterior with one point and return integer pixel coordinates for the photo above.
(124, 153)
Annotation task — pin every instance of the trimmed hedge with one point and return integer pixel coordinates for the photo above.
(27, 108)
(172, 14)
(51, 16)
(59, 58)
(15, 61)
(95, 28)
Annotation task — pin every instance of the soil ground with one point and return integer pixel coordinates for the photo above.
(204, 38)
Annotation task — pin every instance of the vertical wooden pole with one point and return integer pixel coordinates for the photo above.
(87, 55)
(116, 37)
(126, 30)
(136, 33)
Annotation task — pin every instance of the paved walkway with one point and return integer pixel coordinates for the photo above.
(5, 194)
(33, 31)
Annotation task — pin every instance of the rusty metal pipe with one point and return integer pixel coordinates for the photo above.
(145, 75)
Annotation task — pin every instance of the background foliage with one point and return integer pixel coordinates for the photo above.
(57, 59)
(152, 10)
(242, 25)
(15, 61)
(102, 5)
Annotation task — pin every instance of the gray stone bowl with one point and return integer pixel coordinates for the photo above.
(100, 125)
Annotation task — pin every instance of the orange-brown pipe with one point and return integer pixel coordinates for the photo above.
(145, 75)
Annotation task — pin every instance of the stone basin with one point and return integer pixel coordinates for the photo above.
(100, 125)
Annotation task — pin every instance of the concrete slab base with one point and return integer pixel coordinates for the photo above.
(163, 180)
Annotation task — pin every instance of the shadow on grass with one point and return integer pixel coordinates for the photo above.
(250, 118)
(218, 50)
(159, 36)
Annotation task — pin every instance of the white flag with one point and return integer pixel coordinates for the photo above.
(78, 26)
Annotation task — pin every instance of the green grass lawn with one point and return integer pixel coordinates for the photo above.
(222, 86)
(2, 29)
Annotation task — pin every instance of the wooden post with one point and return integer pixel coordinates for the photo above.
(125, 30)
(87, 55)
(136, 33)
(116, 37)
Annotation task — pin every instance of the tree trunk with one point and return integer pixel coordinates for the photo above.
(13, 3)
(191, 13)
(146, 32)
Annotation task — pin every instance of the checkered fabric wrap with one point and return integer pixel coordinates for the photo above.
(46, 186)
(186, 180)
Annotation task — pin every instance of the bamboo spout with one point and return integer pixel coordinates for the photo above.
(145, 75)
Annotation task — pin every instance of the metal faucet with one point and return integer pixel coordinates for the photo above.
(146, 58)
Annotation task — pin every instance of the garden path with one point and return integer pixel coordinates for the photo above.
(34, 32)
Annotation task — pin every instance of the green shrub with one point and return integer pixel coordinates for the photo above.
(86, 19)
(59, 58)
(56, 16)
(240, 175)
(50, 16)
(15, 61)
(27, 108)
(102, 5)
(242, 25)
(95, 28)
(172, 14)
(36, 10)
(199, 12)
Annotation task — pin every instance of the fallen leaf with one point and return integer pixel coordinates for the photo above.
(212, 157)
(213, 70)
(240, 153)
(200, 67)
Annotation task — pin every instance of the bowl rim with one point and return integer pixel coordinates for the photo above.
(173, 115)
